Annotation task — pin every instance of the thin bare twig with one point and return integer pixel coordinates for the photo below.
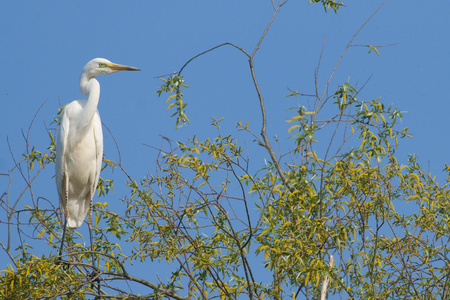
(343, 54)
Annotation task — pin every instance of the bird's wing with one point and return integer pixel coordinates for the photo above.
(60, 161)
(98, 135)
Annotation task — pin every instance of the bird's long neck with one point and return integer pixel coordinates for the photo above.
(91, 89)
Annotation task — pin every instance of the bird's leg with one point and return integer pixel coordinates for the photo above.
(66, 211)
(66, 216)
(62, 241)
(94, 270)
(90, 226)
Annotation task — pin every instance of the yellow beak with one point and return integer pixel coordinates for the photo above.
(117, 67)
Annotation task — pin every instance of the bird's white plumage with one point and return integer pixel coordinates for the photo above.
(79, 146)
(78, 156)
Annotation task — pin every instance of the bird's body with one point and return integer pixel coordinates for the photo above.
(79, 151)
(79, 147)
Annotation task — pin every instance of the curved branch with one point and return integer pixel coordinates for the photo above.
(150, 284)
(264, 128)
(211, 49)
(261, 102)
(266, 143)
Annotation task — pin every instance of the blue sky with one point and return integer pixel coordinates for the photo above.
(44, 46)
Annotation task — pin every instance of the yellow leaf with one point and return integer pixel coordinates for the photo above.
(202, 184)
(374, 49)
(293, 119)
(293, 127)
(245, 176)
(41, 233)
(171, 97)
(171, 105)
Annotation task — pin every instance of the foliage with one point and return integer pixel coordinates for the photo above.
(327, 4)
(335, 216)
(173, 86)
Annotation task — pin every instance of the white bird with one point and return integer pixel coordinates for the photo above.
(79, 148)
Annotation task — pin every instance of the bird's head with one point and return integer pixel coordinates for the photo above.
(101, 66)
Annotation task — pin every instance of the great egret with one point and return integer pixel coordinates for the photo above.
(79, 148)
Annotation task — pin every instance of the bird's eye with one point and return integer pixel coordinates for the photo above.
(102, 65)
